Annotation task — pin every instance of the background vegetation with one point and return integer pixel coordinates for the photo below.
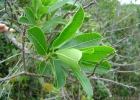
(119, 26)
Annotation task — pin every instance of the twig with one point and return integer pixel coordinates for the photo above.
(107, 80)
(128, 27)
(19, 74)
(115, 44)
(117, 71)
(23, 44)
(10, 57)
(119, 21)
(110, 95)
(14, 41)
(93, 2)
(124, 65)
(100, 63)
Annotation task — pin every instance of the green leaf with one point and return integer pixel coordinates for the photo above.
(41, 9)
(34, 3)
(83, 41)
(43, 69)
(69, 31)
(52, 23)
(103, 68)
(24, 20)
(74, 2)
(84, 82)
(57, 5)
(59, 75)
(89, 50)
(99, 53)
(37, 37)
(70, 57)
(30, 15)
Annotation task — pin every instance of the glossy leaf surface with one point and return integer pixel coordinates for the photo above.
(70, 57)
(69, 31)
(83, 41)
(99, 53)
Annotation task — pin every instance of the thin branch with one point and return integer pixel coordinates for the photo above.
(19, 74)
(100, 63)
(117, 83)
(119, 21)
(110, 95)
(128, 27)
(10, 57)
(117, 71)
(124, 65)
(93, 2)
(23, 45)
(14, 41)
(115, 44)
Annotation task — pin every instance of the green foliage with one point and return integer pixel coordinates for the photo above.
(73, 42)
(37, 37)
(70, 57)
(59, 75)
(84, 81)
(43, 69)
(69, 31)
(68, 48)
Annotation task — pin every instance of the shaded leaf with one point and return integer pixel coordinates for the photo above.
(57, 5)
(84, 82)
(43, 69)
(30, 15)
(24, 20)
(37, 37)
(53, 23)
(59, 75)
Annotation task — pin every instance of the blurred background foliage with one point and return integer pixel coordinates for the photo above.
(115, 22)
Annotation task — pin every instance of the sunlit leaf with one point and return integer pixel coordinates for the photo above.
(83, 41)
(69, 31)
(99, 53)
(70, 57)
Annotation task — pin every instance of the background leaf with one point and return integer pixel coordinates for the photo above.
(59, 75)
(70, 29)
(24, 20)
(53, 23)
(30, 15)
(70, 57)
(37, 37)
(57, 5)
(84, 82)
(83, 41)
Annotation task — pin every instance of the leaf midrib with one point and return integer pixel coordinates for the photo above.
(83, 43)
(38, 42)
